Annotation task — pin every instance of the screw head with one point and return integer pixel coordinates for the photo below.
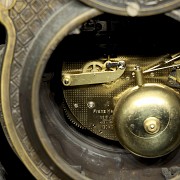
(66, 81)
(152, 125)
(91, 104)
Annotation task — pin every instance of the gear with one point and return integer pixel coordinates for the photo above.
(71, 117)
(96, 102)
(94, 66)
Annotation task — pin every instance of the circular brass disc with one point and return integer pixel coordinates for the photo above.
(147, 120)
(134, 8)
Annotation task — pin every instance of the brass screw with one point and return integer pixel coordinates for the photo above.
(66, 81)
(152, 125)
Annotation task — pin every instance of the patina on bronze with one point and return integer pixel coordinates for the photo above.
(134, 8)
(48, 146)
(7, 4)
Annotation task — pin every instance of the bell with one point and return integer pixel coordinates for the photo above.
(147, 120)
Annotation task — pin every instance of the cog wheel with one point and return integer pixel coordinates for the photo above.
(94, 66)
(71, 117)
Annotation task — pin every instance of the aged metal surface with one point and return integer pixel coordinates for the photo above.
(174, 14)
(23, 21)
(49, 150)
(7, 4)
(93, 105)
(149, 127)
(134, 8)
(94, 73)
(172, 173)
(152, 125)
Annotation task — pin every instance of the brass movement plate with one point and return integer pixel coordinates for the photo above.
(93, 105)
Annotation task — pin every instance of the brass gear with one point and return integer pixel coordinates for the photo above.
(71, 117)
(94, 66)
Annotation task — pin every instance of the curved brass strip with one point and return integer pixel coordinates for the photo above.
(5, 93)
(7, 4)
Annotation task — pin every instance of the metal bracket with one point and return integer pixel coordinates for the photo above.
(86, 78)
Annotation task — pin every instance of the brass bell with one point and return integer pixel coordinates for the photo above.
(147, 120)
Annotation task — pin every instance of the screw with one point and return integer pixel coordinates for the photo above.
(90, 104)
(121, 64)
(137, 68)
(133, 74)
(152, 74)
(152, 126)
(76, 105)
(132, 9)
(171, 81)
(66, 81)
